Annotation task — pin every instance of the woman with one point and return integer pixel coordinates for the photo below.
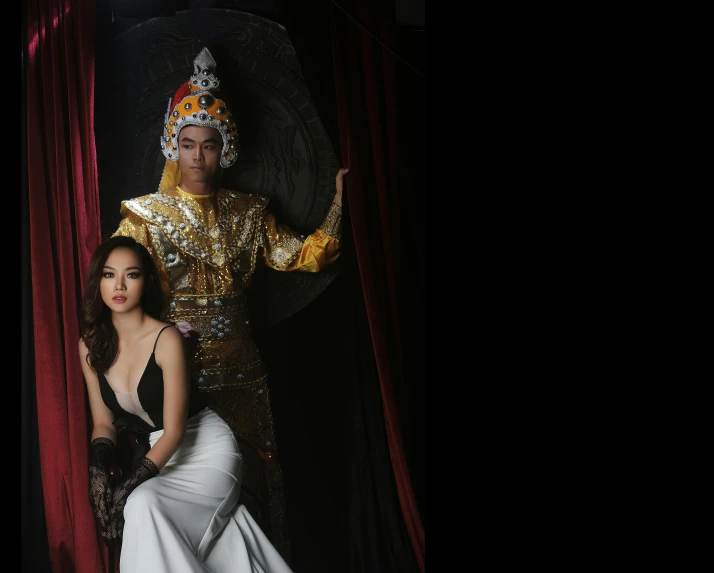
(177, 509)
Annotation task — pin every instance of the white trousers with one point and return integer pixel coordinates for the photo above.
(188, 519)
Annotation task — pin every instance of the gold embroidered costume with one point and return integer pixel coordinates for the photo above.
(207, 248)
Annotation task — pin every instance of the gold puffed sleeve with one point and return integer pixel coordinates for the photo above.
(287, 250)
(133, 226)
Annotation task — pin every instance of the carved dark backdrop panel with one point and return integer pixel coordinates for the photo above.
(285, 153)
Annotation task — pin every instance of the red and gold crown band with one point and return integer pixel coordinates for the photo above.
(199, 102)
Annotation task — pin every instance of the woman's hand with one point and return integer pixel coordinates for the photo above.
(339, 183)
(100, 492)
(145, 470)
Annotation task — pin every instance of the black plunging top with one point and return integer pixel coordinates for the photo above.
(148, 398)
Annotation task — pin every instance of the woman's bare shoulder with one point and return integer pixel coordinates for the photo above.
(168, 334)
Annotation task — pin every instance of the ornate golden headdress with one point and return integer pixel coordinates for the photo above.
(199, 102)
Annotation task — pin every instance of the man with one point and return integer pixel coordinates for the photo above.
(207, 243)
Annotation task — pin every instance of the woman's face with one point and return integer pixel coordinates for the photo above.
(122, 284)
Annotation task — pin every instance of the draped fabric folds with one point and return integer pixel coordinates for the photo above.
(366, 90)
(64, 229)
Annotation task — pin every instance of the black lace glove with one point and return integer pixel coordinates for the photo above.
(146, 470)
(101, 451)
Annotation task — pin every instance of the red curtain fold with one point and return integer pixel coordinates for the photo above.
(64, 230)
(365, 84)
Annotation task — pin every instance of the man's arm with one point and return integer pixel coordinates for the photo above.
(286, 250)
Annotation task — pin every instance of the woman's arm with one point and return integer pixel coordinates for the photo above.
(102, 416)
(171, 358)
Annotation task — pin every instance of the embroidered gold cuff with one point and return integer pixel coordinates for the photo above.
(332, 225)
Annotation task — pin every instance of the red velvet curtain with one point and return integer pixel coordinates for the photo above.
(64, 230)
(365, 84)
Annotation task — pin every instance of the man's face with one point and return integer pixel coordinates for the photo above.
(199, 153)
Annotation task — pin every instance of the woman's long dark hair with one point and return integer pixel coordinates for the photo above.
(95, 321)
